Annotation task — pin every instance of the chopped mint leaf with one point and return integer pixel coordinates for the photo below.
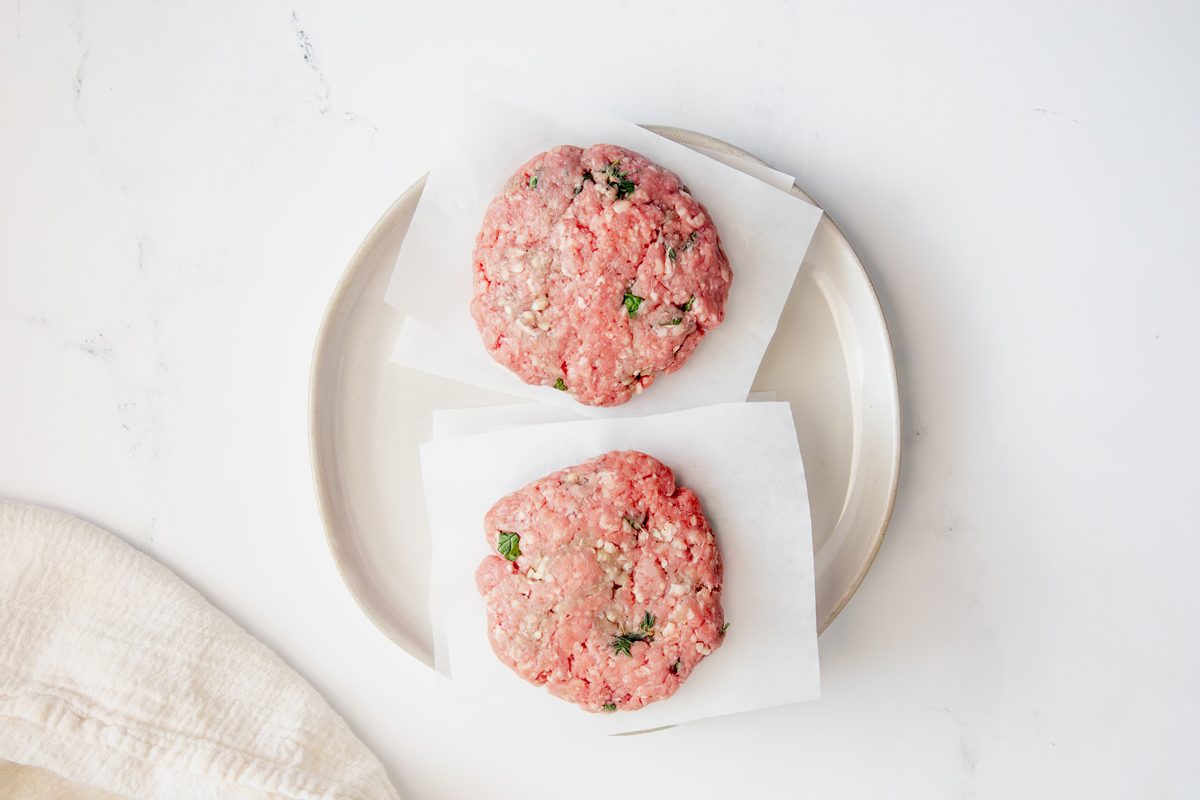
(609, 706)
(533, 182)
(724, 628)
(560, 385)
(675, 666)
(688, 305)
(691, 240)
(671, 253)
(647, 625)
(632, 301)
(509, 545)
(675, 321)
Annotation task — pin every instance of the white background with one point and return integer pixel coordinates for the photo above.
(181, 185)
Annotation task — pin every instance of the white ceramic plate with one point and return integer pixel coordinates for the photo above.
(831, 358)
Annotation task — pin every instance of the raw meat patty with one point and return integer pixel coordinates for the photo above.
(596, 271)
(607, 588)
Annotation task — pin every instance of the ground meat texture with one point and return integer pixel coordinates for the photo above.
(595, 271)
(605, 582)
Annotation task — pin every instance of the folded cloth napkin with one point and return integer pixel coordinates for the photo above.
(118, 679)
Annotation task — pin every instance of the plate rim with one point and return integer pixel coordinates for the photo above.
(316, 460)
(371, 240)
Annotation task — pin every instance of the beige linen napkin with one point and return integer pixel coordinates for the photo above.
(116, 678)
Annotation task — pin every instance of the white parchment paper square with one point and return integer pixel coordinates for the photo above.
(449, 423)
(743, 462)
(765, 233)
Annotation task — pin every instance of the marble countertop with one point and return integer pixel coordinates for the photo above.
(181, 186)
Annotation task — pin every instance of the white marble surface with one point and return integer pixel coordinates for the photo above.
(181, 185)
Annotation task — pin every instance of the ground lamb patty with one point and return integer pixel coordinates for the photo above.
(607, 583)
(595, 271)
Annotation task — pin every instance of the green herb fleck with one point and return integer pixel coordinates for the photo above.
(560, 385)
(533, 182)
(645, 633)
(616, 178)
(587, 176)
(632, 301)
(634, 522)
(622, 643)
(509, 545)
(671, 253)
(675, 321)
(688, 305)
(675, 666)
(691, 240)
(609, 706)
(724, 628)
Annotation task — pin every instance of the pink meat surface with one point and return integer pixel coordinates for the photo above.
(615, 595)
(595, 271)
